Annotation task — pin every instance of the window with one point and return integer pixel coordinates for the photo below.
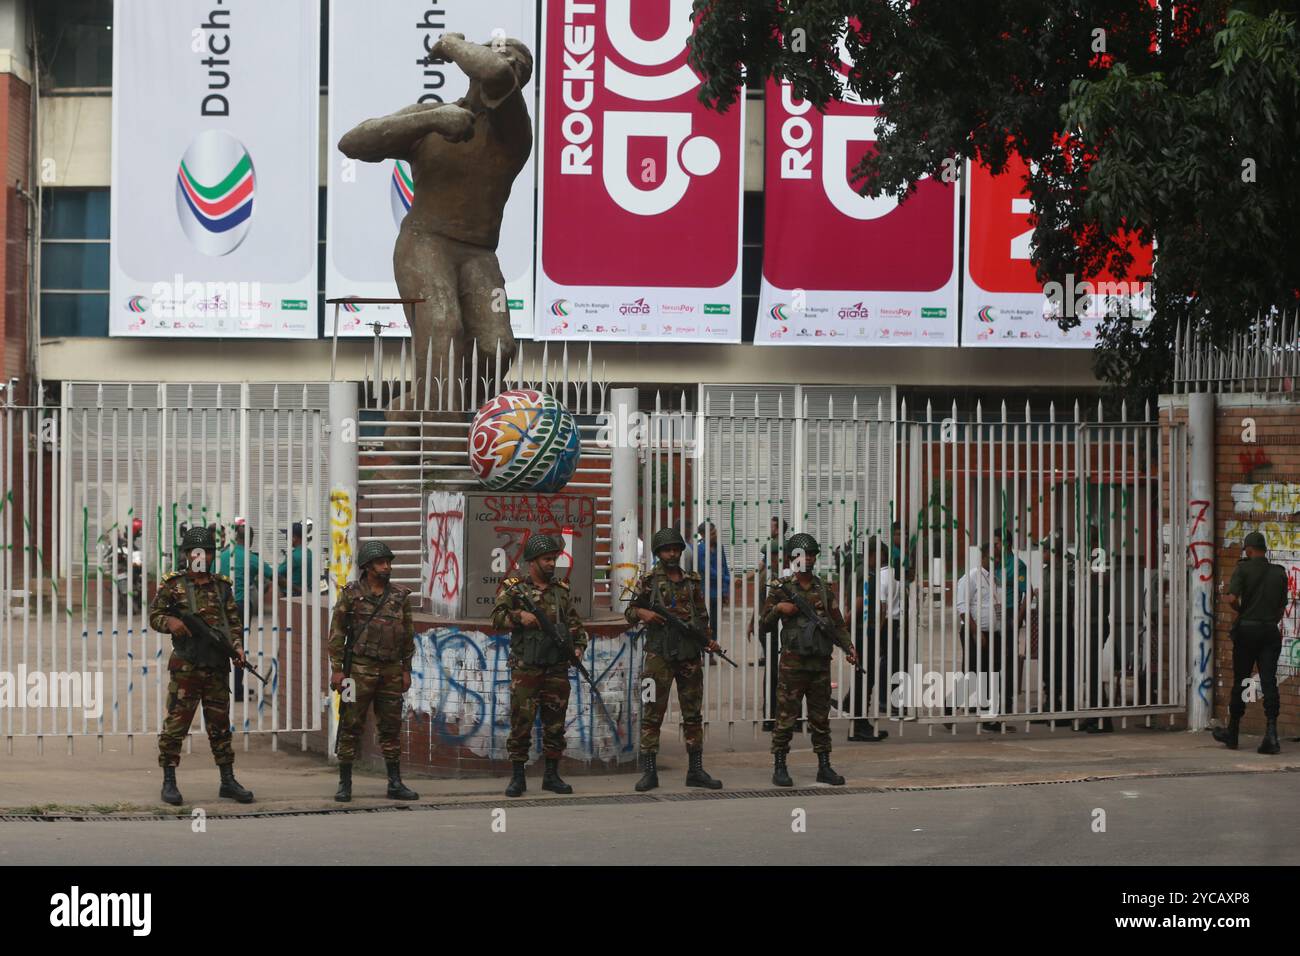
(74, 262)
(74, 43)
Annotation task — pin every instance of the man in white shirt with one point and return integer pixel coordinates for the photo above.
(979, 617)
(891, 590)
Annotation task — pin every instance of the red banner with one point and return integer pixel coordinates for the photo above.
(1003, 303)
(640, 183)
(840, 268)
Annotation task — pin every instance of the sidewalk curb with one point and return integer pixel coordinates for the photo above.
(821, 790)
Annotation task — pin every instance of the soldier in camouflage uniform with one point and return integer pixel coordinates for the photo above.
(199, 668)
(672, 656)
(539, 670)
(372, 619)
(805, 659)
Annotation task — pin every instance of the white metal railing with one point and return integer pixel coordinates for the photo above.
(1263, 358)
(76, 479)
(1084, 502)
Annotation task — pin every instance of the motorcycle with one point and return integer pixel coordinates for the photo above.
(127, 564)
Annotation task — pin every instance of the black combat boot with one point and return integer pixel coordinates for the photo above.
(697, 777)
(344, 793)
(826, 773)
(1269, 745)
(780, 775)
(230, 786)
(396, 789)
(863, 732)
(518, 783)
(551, 778)
(1228, 735)
(169, 792)
(650, 774)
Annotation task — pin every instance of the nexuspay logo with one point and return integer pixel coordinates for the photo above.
(214, 193)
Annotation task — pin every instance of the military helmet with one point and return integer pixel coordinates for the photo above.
(198, 538)
(540, 544)
(373, 550)
(801, 542)
(1256, 540)
(667, 538)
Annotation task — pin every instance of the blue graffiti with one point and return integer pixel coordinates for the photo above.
(461, 681)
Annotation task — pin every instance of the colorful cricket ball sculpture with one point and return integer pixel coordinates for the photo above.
(524, 440)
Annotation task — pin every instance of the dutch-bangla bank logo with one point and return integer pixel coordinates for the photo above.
(214, 192)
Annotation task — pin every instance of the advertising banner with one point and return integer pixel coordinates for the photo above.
(840, 268)
(378, 54)
(215, 168)
(640, 203)
(1003, 302)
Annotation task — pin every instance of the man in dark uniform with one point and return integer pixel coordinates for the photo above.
(805, 658)
(373, 619)
(1257, 593)
(199, 667)
(539, 667)
(670, 656)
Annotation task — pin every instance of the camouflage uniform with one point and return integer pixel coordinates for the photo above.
(199, 669)
(670, 657)
(805, 663)
(381, 657)
(539, 671)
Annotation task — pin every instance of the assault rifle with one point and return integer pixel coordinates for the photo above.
(677, 625)
(807, 610)
(201, 629)
(566, 648)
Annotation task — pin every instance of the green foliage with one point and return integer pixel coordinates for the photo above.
(1117, 133)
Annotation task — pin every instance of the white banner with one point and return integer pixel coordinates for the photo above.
(215, 168)
(377, 67)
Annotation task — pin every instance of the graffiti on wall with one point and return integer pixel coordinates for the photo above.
(1201, 558)
(1272, 497)
(444, 552)
(460, 679)
(342, 534)
(1283, 540)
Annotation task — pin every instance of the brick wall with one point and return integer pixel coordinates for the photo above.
(15, 155)
(1257, 487)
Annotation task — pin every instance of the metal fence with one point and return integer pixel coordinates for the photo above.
(908, 509)
(1264, 358)
(97, 493)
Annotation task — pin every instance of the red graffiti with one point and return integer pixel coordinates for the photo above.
(557, 511)
(1252, 460)
(444, 565)
(1202, 560)
(1197, 509)
(515, 538)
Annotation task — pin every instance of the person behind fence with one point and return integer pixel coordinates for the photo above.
(1060, 595)
(295, 572)
(1097, 627)
(806, 651)
(232, 564)
(891, 593)
(372, 619)
(672, 656)
(199, 667)
(714, 572)
(1011, 574)
(539, 665)
(978, 603)
(865, 643)
(1257, 593)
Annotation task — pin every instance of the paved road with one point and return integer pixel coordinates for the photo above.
(1214, 820)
